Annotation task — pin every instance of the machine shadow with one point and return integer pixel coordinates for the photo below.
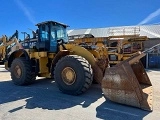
(46, 95)
(109, 110)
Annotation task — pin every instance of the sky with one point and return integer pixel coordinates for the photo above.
(22, 15)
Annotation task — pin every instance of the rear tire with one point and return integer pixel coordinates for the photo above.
(21, 72)
(73, 74)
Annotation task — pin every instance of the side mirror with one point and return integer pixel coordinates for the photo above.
(60, 41)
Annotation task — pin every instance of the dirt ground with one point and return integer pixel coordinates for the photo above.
(44, 101)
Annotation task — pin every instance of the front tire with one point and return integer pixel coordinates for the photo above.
(73, 74)
(21, 72)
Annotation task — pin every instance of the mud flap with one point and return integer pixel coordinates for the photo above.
(128, 83)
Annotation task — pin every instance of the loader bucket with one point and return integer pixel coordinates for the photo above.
(128, 83)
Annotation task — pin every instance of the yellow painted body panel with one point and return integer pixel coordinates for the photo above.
(43, 65)
(43, 61)
(77, 50)
(38, 55)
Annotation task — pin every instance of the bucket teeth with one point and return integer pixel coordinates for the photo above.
(128, 83)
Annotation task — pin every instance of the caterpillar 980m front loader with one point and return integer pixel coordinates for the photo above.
(74, 65)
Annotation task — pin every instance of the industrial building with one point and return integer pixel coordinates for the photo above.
(152, 59)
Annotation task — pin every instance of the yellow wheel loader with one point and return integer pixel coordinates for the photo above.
(121, 44)
(75, 66)
(124, 45)
(6, 45)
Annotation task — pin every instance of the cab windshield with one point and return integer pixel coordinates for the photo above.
(59, 32)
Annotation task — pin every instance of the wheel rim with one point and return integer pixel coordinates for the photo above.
(17, 71)
(68, 75)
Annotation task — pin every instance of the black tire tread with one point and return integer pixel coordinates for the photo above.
(30, 77)
(88, 73)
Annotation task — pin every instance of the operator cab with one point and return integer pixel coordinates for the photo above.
(50, 33)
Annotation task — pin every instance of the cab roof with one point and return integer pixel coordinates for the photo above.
(53, 22)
